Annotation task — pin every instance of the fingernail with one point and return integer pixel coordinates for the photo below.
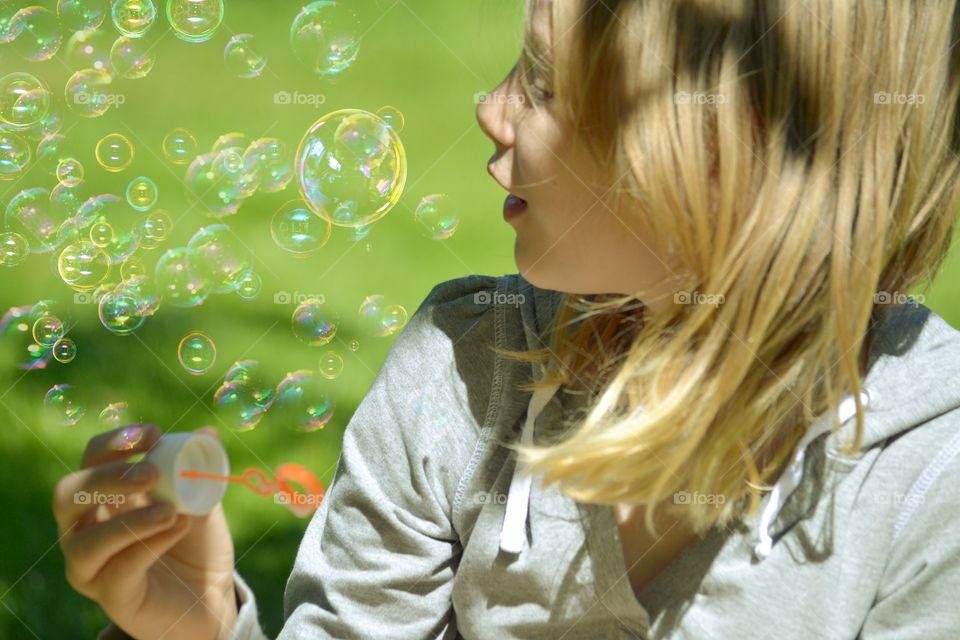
(160, 511)
(141, 473)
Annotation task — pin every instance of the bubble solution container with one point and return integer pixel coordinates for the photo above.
(178, 452)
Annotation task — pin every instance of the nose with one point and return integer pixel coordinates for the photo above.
(495, 114)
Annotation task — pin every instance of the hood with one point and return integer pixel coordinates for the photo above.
(900, 391)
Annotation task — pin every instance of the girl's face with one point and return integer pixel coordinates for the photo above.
(568, 239)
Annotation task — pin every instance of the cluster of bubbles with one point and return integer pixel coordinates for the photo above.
(37, 333)
(219, 181)
(298, 401)
(63, 406)
(379, 318)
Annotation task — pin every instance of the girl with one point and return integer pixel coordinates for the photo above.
(719, 206)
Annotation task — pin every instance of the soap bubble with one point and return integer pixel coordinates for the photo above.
(87, 92)
(24, 100)
(156, 228)
(331, 365)
(114, 152)
(78, 15)
(89, 50)
(325, 37)
(132, 267)
(38, 33)
(250, 285)
(218, 257)
(249, 372)
(272, 163)
(179, 146)
(125, 223)
(133, 18)
(232, 140)
(393, 117)
(16, 333)
(142, 291)
(142, 193)
(213, 186)
(236, 404)
(298, 230)
(301, 403)
(67, 200)
(194, 20)
(435, 217)
(30, 214)
(49, 151)
(47, 330)
(101, 233)
(114, 415)
(69, 172)
(63, 405)
(394, 318)
(179, 283)
(362, 231)
(132, 58)
(120, 314)
(354, 345)
(14, 249)
(102, 289)
(64, 350)
(312, 325)
(83, 265)
(14, 155)
(196, 353)
(352, 167)
(242, 58)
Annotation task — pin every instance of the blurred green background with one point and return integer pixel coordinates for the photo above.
(427, 58)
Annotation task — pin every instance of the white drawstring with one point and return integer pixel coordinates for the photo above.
(790, 478)
(518, 499)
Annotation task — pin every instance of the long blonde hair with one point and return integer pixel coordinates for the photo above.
(799, 161)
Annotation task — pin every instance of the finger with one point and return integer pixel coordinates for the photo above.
(88, 550)
(82, 491)
(209, 431)
(120, 444)
(125, 571)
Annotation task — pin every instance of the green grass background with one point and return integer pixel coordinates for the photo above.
(427, 58)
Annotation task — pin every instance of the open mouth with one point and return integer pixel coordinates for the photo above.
(513, 206)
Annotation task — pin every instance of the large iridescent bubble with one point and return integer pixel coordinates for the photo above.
(179, 283)
(30, 214)
(125, 223)
(87, 92)
(24, 100)
(78, 15)
(195, 20)
(14, 155)
(302, 404)
(38, 33)
(83, 265)
(352, 167)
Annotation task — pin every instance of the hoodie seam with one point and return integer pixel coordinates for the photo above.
(492, 413)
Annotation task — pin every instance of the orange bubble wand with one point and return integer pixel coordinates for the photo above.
(300, 504)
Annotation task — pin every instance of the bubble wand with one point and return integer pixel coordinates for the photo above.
(301, 504)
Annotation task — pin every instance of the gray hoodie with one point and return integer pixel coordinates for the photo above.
(427, 531)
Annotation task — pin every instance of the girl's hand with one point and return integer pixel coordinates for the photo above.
(155, 573)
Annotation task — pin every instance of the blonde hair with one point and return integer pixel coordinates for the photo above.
(796, 195)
